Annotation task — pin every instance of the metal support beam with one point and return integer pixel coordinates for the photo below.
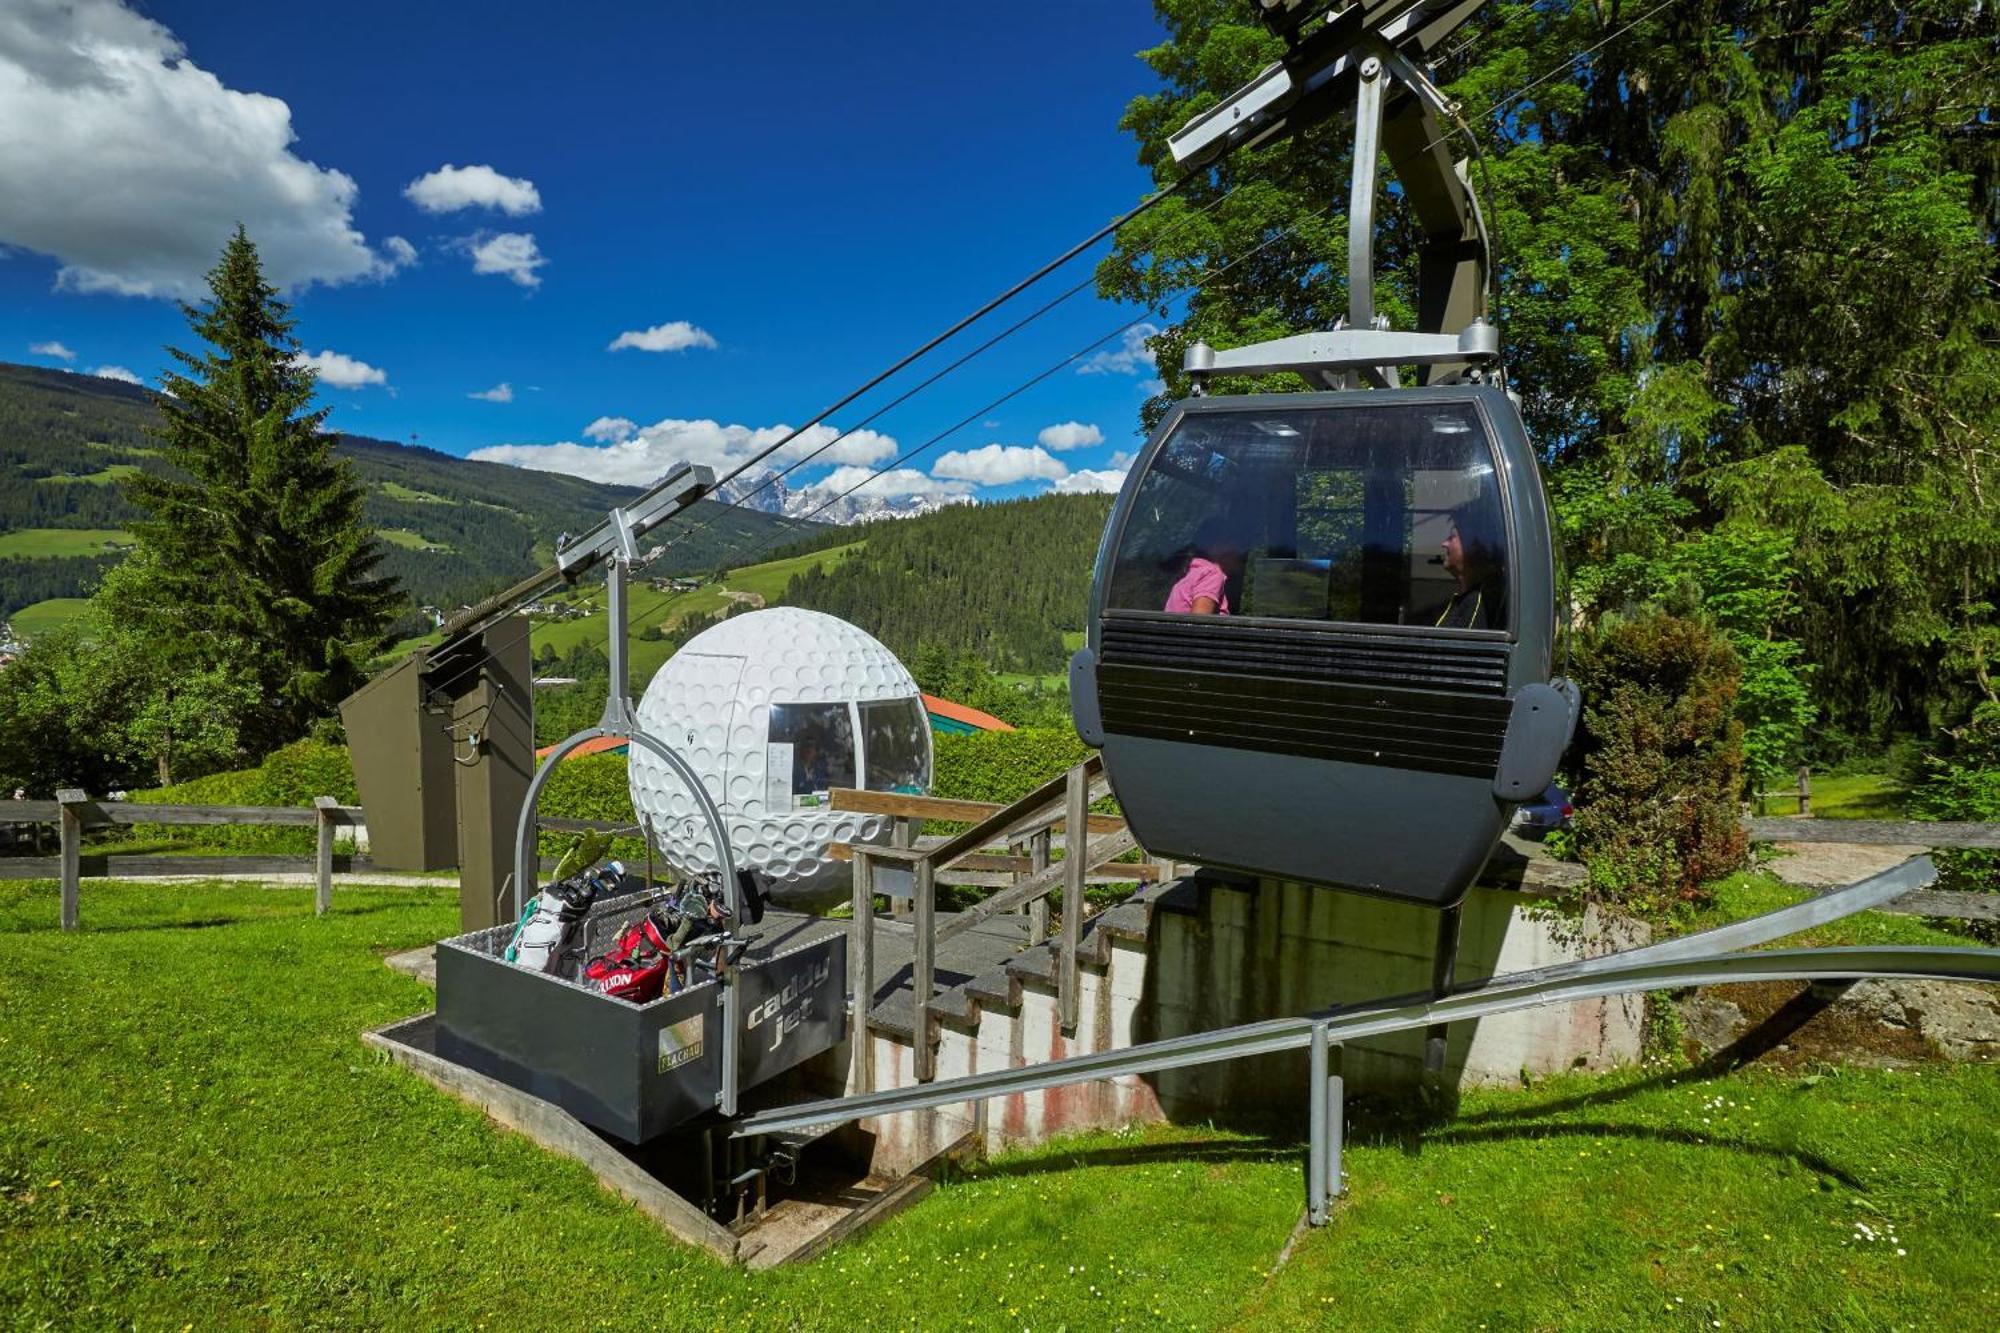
(1361, 196)
(1444, 969)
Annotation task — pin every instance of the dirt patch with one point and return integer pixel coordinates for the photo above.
(1786, 1025)
(1826, 865)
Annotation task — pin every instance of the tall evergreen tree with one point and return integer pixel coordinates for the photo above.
(261, 549)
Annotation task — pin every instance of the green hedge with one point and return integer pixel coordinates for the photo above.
(1003, 765)
(984, 766)
(291, 776)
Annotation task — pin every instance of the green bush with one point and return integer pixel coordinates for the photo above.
(290, 776)
(1660, 761)
(1003, 765)
(1962, 781)
(591, 786)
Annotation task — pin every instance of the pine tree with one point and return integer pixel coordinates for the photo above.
(261, 549)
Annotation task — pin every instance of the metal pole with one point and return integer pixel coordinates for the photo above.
(1361, 197)
(1316, 1152)
(1336, 1135)
(1444, 965)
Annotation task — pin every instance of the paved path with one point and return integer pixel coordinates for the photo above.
(1825, 865)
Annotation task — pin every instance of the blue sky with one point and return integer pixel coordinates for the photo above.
(780, 199)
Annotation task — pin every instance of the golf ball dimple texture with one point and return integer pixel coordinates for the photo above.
(712, 703)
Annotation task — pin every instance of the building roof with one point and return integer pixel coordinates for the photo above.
(595, 745)
(948, 716)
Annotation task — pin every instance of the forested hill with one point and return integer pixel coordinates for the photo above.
(1003, 581)
(453, 529)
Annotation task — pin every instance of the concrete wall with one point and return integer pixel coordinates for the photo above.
(1288, 949)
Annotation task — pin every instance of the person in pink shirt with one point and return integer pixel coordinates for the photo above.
(1203, 588)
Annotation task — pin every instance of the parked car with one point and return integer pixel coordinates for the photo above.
(1551, 810)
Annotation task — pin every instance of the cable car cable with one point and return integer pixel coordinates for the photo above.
(1023, 387)
(939, 375)
(1144, 205)
(1158, 196)
(876, 415)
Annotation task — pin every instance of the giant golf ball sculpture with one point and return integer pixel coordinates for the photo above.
(773, 709)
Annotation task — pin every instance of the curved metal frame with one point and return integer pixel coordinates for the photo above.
(524, 850)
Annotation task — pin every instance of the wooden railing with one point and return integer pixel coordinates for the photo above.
(918, 864)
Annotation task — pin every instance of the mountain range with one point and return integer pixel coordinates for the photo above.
(767, 493)
(453, 529)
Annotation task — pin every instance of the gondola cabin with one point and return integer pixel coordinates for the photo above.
(1321, 636)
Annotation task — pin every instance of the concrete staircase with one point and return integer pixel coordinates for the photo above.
(1196, 954)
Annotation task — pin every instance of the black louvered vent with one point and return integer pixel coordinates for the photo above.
(1431, 704)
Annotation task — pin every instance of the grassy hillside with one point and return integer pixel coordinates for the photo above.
(1003, 581)
(454, 530)
(192, 1135)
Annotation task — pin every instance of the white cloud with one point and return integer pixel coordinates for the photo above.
(1086, 482)
(641, 455)
(54, 349)
(117, 373)
(398, 253)
(891, 485)
(1000, 465)
(344, 372)
(502, 392)
(451, 188)
(676, 336)
(1153, 388)
(510, 253)
(1070, 435)
(131, 165)
(1128, 358)
(611, 429)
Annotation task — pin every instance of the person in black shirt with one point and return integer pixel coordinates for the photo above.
(1472, 556)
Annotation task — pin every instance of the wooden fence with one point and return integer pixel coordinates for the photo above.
(73, 811)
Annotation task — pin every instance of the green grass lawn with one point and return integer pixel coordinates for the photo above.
(115, 472)
(414, 541)
(766, 582)
(396, 490)
(191, 1134)
(1752, 893)
(51, 542)
(1848, 796)
(41, 617)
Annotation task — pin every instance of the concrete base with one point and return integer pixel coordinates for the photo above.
(854, 1182)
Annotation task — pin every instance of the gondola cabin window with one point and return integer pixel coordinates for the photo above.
(1376, 515)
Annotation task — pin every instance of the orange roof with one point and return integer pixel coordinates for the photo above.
(971, 717)
(595, 745)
